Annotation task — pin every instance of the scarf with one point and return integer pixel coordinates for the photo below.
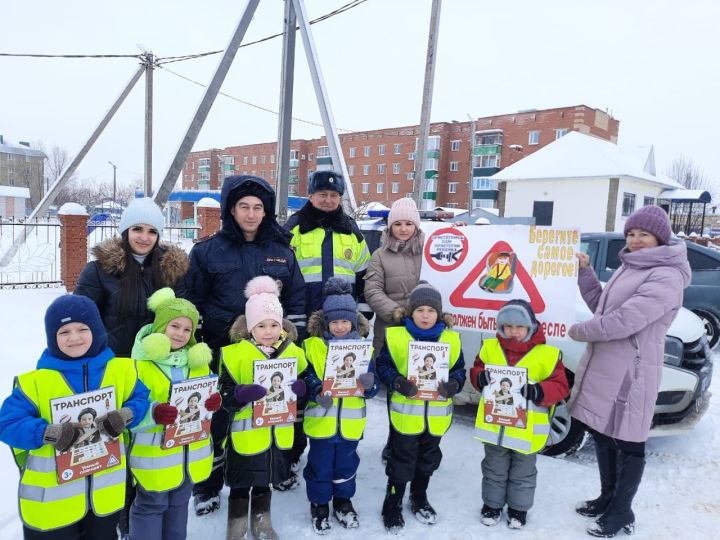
(431, 334)
(269, 350)
(514, 350)
(311, 218)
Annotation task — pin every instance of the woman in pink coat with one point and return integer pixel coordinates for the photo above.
(617, 382)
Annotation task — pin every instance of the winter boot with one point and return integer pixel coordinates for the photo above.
(237, 522)
(260, 521)
(286, 485)
(619, 514)
(490, 516)
(418, 500)
(206, 503)
(607, 464)
(516, 519)
(392, 508)
(320, 518)
(345, 513)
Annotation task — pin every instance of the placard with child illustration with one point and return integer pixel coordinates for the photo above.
(279, 406)
(504, 405)
(193, 420)
(428, 364)
(346, 361)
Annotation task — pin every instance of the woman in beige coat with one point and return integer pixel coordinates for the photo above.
(394, 268)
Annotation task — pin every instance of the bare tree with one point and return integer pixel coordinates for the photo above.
(684, 171)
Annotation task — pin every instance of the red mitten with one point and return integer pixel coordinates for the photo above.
(165, 414)
(213, 402)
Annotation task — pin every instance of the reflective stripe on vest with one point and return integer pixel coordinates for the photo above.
(540, 362)
(308, 251)
(410, 416)
(238, 360)
(349, 413)
(155, 467)
(46, 505)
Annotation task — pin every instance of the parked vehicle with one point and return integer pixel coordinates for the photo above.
(687, 370)
(702, 297)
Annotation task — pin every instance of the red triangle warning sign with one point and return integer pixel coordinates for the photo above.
(465, 295)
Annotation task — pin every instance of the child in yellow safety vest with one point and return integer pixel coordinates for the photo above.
(258, 455)
(166, 353)
(417, 425)
(77, 360)
(509, 471)
(334, 426)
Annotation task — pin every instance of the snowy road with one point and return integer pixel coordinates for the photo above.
(679, 497)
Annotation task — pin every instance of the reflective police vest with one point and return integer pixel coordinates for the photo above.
(45, 504)
(350, 254)
(238, 360)
(161, 469)
(409, 416)
(349, 412)
(540, 362)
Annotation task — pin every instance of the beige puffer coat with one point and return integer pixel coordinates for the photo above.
(393, 272)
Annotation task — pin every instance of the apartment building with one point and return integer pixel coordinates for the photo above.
(22, 167)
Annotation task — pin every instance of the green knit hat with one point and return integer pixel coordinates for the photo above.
(167, 308)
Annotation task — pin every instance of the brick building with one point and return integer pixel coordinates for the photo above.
(381, 162)
(23, 167)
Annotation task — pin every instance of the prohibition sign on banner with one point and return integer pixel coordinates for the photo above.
(446, 249)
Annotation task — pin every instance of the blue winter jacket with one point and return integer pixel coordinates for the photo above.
(387, 371)
(222, 265)
(20, 426)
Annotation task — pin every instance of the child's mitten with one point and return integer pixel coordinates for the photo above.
(165, 414)
(246, 393)
(483, 379)
(61, 436)
(367, 380)
(324, 401)
(405, 387)
(114, 422)
(448, 389)
(156, 346)
(213, 402)
(533, 392)
(299, 387)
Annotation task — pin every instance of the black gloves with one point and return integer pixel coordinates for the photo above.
(448, 389)
(533, 392)
(483, 379)
(405, 387)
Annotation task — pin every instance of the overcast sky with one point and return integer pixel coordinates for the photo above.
(653, 64)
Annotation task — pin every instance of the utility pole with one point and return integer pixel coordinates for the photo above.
(472, 158)
(114, 182)
(420, 156)
(149, 61)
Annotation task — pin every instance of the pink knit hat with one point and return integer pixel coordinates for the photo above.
(404, 209)
(263, 301)
(652, 219)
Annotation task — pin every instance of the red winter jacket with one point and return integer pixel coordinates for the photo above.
(555, 387)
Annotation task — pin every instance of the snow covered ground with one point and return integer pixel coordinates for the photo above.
(679, 497)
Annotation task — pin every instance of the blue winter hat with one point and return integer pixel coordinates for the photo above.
(338, 302)
(326, 180)
(74, 308)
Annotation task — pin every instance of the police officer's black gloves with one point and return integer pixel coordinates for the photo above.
(533, 392)
(405, 387)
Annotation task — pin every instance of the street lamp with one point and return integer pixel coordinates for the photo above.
(114, 182)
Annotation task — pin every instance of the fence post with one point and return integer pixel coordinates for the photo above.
(208, 216)
(73, 243)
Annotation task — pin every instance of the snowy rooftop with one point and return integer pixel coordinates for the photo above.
(577, 155)
(10, 147)
(12, 191)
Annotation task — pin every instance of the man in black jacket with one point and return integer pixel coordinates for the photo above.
(250, 243)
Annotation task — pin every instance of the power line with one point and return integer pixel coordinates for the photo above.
(260, 107)
(18, 55)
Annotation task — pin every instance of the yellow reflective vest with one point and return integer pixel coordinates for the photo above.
(540, 362)
(412, 416)
(349, 412)
(238, 360)
(157, 468)
(350, 255)
(44, 504)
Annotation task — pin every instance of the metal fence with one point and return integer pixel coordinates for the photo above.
(29, 253)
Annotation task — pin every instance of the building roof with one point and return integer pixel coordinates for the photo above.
(577, 155)
(7, 147)
(686, 195)
(12, 191)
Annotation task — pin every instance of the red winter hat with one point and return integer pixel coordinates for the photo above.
(652, 219)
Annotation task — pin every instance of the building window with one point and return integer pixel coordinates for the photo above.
(204, 162)
(452, 205)
(454, 166)
(272, 173)
(454, 146)
(254, 160)
(310, 156)
(366, 151)
(380, 188)
(534, 137)
(411, 156)
(262, 160)
(488, 160)
(351, 170)
(628, 206)
(323, 152)
(365, 187)
(292, 189)
(452, 187)
(483, 183)
(381, 168)
(433, 143)
(410, 176)
(432, 164)
(396, 168)
(488, 139)
(648, 201)
(366, 170)
(560, 133)
(272, 158)
(381, 149)
(293, 155)
(353, 151)
(397, 148)
(395, 187)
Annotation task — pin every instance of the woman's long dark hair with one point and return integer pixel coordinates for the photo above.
(131, 278)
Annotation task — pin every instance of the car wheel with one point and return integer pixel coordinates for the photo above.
(567, 435)
(712, 326)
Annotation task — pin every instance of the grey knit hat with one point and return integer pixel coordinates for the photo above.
(338, 303)
(518, 313)
(424, 294)
(142, 210)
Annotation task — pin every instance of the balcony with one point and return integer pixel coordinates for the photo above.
(484, 171)
(430, 195)
(485, 194)
(294, 163)
(433, 154)
(324, 160)
(487, 149)
(293, 180)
